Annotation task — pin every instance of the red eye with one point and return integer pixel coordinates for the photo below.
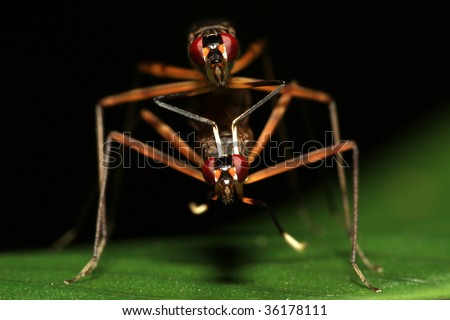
(241, 166)
(208, 170)
(196, 51)
(231, 46)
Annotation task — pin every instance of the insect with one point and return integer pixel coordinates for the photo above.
(227, 145)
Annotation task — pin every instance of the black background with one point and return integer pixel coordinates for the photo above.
(386, 64)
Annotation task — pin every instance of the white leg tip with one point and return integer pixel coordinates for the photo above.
(197, 209)
(298, 246)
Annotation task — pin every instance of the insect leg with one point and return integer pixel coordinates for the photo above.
(271, 124)
(310, 94)
(169, 134)
(138, 95)
(162, 70)
(253, 52)
(315, 156)
(101, 229)
(296, 245)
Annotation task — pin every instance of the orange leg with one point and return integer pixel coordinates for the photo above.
(169, 134)
(101, 228)
(297, 91)
(252, 53)
(271, 124)
(153, 91)
(135, 95)
(311, 158)
(294, 90)
(195, 87)
(300, 161)
(162, 70)
(157, 155)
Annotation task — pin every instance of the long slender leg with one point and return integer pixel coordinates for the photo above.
(298, 246)
(153, 91)
(354, 231)
(303, 93)
(282, 132)
(252, 52)
(310, 94)
(311, 158)
(169, 134)
(292, 88)
(193, 87)
(318, 96)
(300, 161)
(137, 95)
(116, 185)
(157, 155)
(271, 124)
(264, 137)
(101, 228)
(162, 70)
(275, 123)
(70, 235)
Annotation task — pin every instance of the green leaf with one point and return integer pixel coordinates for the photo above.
(404, 227)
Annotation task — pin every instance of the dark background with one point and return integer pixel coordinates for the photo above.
(386, 65)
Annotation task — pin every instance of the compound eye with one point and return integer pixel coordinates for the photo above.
(231, 46)
(208, 170)
(240, 164)
(196, 52)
